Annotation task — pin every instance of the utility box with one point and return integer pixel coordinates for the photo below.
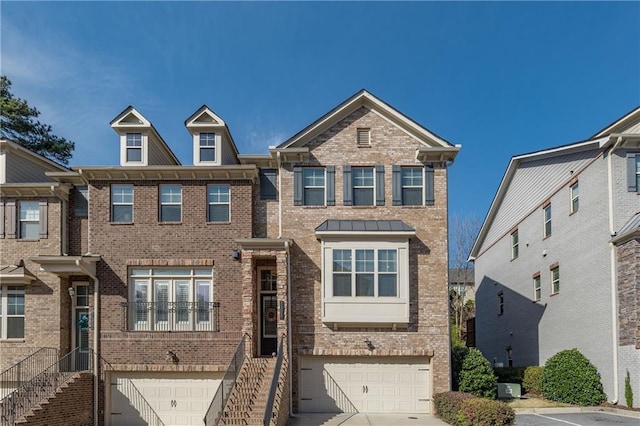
(509, 390)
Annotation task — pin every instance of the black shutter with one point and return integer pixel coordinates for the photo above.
(379, 185)
(632, 183)
(397, 185)
(268, 184)
(331, 185)
(428, 186)
(297, 186)
(347, 199)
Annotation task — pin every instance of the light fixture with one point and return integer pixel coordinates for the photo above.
(369, 344)
(72, 291)
(235, 254)
(171, 356)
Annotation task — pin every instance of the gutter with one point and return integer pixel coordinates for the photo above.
(96, 333)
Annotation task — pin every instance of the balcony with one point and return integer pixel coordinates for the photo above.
(170, 316)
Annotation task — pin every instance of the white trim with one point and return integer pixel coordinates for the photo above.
(144, 149)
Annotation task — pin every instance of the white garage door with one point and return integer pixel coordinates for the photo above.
(364, 384)
(178, 398)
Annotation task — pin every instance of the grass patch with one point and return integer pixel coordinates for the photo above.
(534, 402)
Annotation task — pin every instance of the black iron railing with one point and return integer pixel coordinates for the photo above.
(277, 384)
(25, 370)
(219, 401)
(170, 316)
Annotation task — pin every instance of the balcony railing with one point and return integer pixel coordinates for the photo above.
(170, 316)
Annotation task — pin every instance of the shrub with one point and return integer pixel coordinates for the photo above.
(509, 374)
(448, 404)
(457, 356)
(483, 412)
(628, 391)
(569, 377)
(476, 376)
(532, 382)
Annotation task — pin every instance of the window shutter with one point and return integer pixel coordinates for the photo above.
(348, 186)
(297, 186)
(632, 185)
(1, 219)
(43, 220)
(397, 185)
(331, 185)
(428, 186)
(379, 185)
(268, 184)
(11, 219)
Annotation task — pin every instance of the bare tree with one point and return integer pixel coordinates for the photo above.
(463, 231)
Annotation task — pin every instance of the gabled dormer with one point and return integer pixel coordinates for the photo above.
(140, 143)
(212, 142)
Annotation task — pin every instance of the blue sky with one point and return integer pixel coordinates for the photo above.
(500, 78)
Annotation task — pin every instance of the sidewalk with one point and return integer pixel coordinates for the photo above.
(361, 419)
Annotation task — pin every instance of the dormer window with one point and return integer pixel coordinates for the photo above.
(134, 147)
(207, 146)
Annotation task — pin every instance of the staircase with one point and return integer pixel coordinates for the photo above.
(248, 400)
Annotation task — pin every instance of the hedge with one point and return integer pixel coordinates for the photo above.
(477, 376)
(448, 404)
(532, 382)
(464, 409)
(569, 377)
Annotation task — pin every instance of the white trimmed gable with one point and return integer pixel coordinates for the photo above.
(212, 142)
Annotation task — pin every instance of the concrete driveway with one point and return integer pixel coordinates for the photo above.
(362, 419)
(583, 418)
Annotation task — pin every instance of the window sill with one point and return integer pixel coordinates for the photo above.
(27, 240)
(535, 301)
(514, 258)
(314, 207)
(573, 212)
(364, 207)
(217, 223)
(18, 340)
(121, 223)
(414, 207)
(547, 236)
(554, 294)
(169, 223)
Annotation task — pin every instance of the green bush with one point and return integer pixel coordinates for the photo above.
(532, 382)
(483, 412)
(476, 376)
(457, 356)
(509, 374)
(569, 377)
(447, 405)
(628, 391)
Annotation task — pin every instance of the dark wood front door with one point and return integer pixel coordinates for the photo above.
(268, 324)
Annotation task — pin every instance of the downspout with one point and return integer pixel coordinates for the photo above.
(96, 332)
(280, 197)
(614, 287)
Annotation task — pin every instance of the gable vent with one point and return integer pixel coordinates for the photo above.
(363, 137)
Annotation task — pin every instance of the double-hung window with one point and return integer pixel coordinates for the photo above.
(122, 203)
(134, 147)
(172, 300)
(412, 186)
(363, 186)
(207, 147)
(546, 210)
(29, 220)
(575, 200)
(633, 172)
(218, 200)
(314, 186)
(515, 250)
(81, 201)
(537, 289)
(555, 279)
(11, 312)
(365, 272)
(500, 303)
(170, 203)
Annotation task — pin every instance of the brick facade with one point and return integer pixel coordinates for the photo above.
(628, 255)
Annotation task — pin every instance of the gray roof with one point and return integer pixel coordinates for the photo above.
(333, 225)
(633, 223)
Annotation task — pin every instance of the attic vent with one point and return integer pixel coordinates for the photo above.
(364, 137)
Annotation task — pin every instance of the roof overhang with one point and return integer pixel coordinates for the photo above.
(233, 172)
(291, 155)
(263, 161)
(437, 155)
(41, 189)
(16, 275)
(621, 140)
(364, 229)
(264, 243)
(634, 234)
(65, 266)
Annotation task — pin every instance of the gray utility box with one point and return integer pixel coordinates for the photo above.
(509, 390)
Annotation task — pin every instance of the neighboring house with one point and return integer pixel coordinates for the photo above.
(333, 246)
(557, 260)
(462, 293)
(462, 281)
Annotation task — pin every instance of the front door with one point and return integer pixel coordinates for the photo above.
(80, 335)
(268, 312)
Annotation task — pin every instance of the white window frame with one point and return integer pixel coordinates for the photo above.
(31, 218)
(121, 202)
(214, 147)
(515, 245)
(354, 187)
(638, 172)
(546, 218)
(421, 186)
(168, 199)
(133, 142)
(500, 303)
(574, 195)
(151, 278)
(5, 291)
(218, 202)
(537, 288)
(356, 310)
(555, 281)
(315, 177)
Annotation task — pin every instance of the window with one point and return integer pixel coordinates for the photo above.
(412, 186)
(172, 299)
(537, 290)
(268, 184)
(363, 137)
(170, 203)
(218, 201)
(547, 220)
(514, 244)
(633, 172)
(363, 186)
(81, 317)
(500, 303)
(575, 200)
(555, 279)
(134, 147)
(365, 272)
(314, 188)
(638, 172)
(207, 147)
(122, 203)
(81, 201)
(29, 220)
(11, 312)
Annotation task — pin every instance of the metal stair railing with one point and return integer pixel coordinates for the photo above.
(269, 413)
(23, 371)
(42, 385)
(219, 401)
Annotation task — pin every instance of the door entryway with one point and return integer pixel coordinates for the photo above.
(268, 311)
(80, 325)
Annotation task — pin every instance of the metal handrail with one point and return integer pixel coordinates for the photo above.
(268, 414)
(20, 373)
(170, 316)
(219, 401)
(44, 384)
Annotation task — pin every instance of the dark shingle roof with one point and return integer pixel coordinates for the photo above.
(633, 223)
(333, 225)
